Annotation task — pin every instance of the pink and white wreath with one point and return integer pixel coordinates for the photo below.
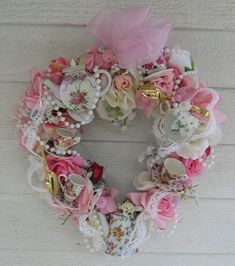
(128, 68)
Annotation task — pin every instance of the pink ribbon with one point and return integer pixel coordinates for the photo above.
(134, 36)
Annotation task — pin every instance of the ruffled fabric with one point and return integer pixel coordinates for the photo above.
(134, 36)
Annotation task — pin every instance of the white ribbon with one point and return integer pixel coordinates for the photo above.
(36, 167)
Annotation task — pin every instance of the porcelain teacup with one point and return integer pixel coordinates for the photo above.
(71, 185)
(65, 138)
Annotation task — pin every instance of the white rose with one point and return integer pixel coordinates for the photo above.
(181, 58)
(116, 104)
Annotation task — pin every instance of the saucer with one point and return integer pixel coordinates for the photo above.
(59, 198)
(57, 155)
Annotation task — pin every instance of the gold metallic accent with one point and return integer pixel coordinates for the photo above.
(51, 182)
(51, 179)
(199, 110)
(149, 90)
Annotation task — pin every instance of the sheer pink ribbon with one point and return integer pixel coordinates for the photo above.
(135, 37)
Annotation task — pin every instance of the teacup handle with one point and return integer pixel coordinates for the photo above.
(59, 179)
(109, 81)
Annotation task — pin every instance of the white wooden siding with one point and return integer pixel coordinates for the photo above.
(32, 32)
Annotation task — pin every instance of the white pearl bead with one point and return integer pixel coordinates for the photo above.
(47, 147)
(166, 50)
(97, 75)
(90, 112)
(59, 114)
(93, 106)
(66, 124)
(56, 108)
(77, 125)
(98, 81)
(69, 152)
(178, 81)
(176, 87)
(83, 122)
(52, 149)
(181, 76)
(96, 68)
(62, 119)
(74, 152)
(98, 87)
(41, 142)
(72, 126)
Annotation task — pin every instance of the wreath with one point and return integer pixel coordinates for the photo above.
(128, 68)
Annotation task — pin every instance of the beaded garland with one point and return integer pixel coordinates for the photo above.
(129, 68)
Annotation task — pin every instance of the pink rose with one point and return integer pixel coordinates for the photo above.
(31, 95)
(66, 166)
(166, 207)
(165, 82)
(203, 97)
(149, 66)
(106, 203)
(122, 81)
(186, 90)
(161, 60)
(175, 68)
(103, 59)
(193, 167)
(58, 64)
(56, 67)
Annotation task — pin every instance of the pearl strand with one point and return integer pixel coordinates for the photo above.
(176, 86)
(56, 151)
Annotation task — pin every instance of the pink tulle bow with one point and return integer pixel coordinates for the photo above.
(134, 36)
